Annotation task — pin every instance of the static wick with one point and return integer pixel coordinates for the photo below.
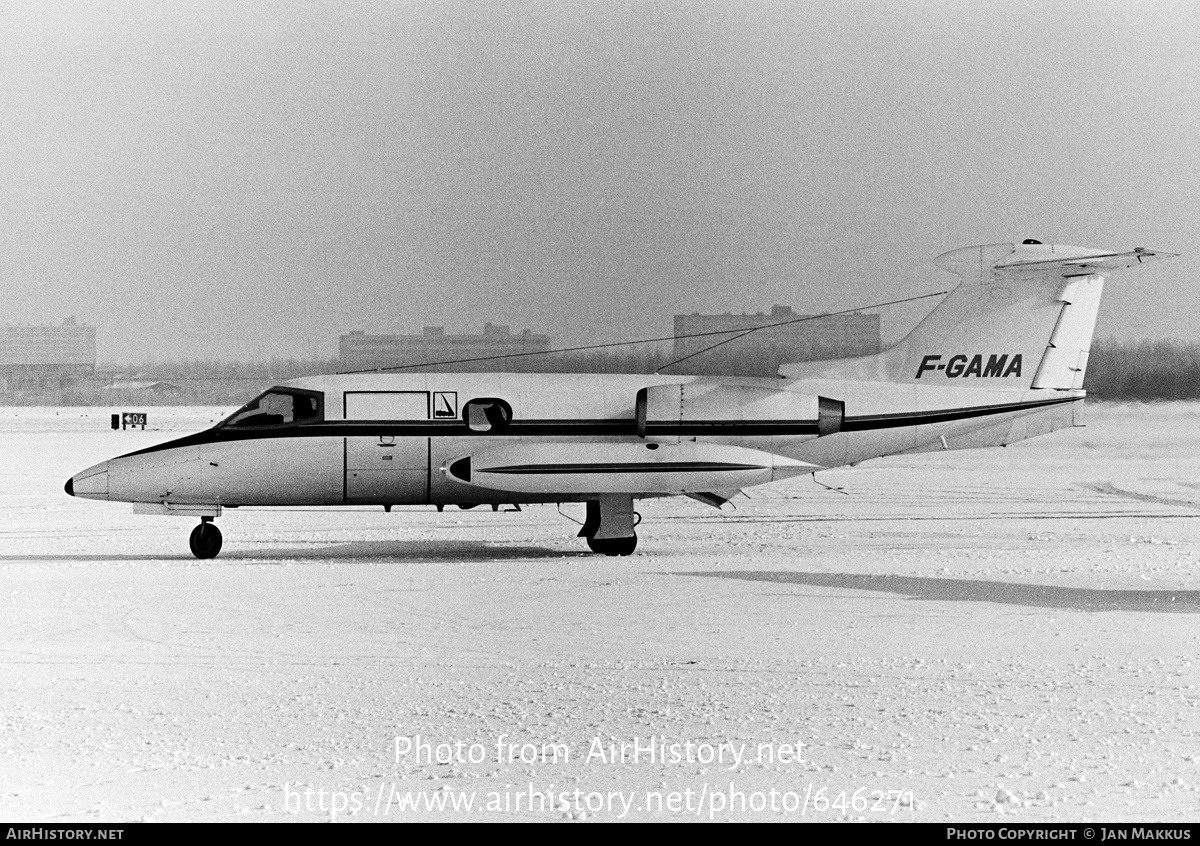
(842, 491)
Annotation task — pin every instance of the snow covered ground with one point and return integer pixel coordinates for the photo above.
(957, 636)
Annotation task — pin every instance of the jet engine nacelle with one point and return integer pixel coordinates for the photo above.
(705, 407)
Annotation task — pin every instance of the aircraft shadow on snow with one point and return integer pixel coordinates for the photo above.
(403, 551)
(977, 590)
(335, 552)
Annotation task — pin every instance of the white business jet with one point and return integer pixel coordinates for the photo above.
(1001, 359)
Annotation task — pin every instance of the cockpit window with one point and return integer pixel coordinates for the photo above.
(279, 407)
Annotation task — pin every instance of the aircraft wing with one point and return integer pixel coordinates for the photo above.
(714, 498)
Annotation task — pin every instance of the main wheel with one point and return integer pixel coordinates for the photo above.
(613, 546)
(205, 541)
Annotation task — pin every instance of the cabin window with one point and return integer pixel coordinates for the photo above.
(279, 407)
(487, 414)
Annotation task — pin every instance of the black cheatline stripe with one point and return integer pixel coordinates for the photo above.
(629, 467)
(923, 418)
(594, 427)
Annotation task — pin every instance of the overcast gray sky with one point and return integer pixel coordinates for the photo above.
(246, 179)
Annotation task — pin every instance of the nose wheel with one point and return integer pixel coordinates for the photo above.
(205, 540)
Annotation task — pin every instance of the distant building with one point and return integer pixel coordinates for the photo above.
(34, 357)
(802, 337)
(142, 385)
(360, 351)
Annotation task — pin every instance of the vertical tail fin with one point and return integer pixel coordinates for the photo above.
(1022, 317)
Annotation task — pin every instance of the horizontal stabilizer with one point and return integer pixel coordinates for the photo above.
(991, 262)
(1090, 263)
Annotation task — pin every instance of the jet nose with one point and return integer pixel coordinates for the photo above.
(90, 484)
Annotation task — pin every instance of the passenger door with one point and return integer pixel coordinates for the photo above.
(389, 466)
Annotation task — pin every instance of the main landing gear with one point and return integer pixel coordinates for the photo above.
(609, 525)
(613, 546)
(206, 539)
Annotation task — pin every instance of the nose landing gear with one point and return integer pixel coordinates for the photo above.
(206, 539)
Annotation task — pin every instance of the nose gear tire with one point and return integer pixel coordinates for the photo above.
(205, 541)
